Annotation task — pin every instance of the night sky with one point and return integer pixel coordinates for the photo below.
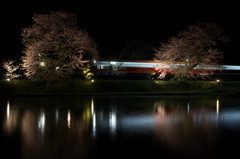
(112, 24)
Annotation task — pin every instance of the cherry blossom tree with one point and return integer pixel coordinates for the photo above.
(195, 47)
(55, 47)
(11, 69)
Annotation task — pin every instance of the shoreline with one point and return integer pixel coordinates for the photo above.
(118, 87)
(183, 93)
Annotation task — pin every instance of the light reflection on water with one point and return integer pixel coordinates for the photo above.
(74, 127)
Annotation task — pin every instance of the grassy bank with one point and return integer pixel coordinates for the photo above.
(99, 87)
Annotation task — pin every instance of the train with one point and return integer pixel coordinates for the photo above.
(139, 68)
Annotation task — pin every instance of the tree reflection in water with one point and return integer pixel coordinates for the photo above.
(89, 127)
(45, 135)
(189, 131)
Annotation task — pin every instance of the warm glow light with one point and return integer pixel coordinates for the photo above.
(42, 64)
(92, 80)
(161, 111)
(57, 68)
(8, 79)
(69, 119)
(217, 80)
(11, 120)
(92, 106)
(217, 106)
(8, 110)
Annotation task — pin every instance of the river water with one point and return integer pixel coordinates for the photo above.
(119, 127)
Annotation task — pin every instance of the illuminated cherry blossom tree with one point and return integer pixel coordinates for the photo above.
(11, 69)
(195, 47)
(55, 47)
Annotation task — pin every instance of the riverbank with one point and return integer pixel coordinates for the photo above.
(117, 87)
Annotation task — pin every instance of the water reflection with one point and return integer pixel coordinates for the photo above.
(57, 116)
(69, 119)
(93, 118)
(8, 110)
(11, 119)
(113, 121)
(78, 127)
(184, 130)
(217, 107)
(44, 129)
(29, 131)
(41, 122)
